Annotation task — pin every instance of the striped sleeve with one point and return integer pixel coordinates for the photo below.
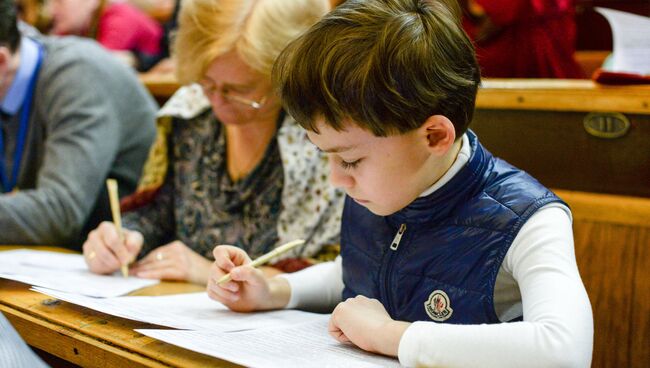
(14, 352)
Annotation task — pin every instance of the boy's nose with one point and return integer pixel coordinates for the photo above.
(339, 178)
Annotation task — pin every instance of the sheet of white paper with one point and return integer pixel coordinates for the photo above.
(43, 259)
(301, 346)
(65, 272)
(631, 36)
(194, 311)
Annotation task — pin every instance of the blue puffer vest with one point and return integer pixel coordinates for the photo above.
(437, 259)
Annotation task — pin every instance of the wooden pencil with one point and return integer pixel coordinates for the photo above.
(114, 199)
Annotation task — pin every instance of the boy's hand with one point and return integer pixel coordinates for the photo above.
(249, 289)
(174, 261)
(365, 323)
(105, 253)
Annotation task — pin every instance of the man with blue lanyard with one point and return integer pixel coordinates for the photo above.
(70, 116)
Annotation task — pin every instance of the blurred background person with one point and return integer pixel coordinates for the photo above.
(523, 38)
(233, 167)
(71, 115)
(117, 25)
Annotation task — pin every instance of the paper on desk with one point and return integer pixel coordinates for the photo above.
(631, 36)
(194, 311)
(65, 272)
(302, 345)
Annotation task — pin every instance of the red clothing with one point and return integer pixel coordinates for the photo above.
(535, 39)
(124, 27)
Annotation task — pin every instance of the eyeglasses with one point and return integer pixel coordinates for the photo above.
(210, 88)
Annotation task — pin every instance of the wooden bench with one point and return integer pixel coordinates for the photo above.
(612, 244)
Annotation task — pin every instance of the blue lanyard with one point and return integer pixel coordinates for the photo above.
(9, 183)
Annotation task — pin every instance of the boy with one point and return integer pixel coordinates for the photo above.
(440, 241)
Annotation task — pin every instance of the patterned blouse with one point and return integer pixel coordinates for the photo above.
(286, 196)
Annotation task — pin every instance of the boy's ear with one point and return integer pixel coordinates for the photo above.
(439, 132)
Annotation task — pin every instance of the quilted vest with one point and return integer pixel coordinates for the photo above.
(437, 259)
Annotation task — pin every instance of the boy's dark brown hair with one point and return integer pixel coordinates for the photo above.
(386, 64)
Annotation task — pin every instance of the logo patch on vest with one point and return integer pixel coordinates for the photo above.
(438, 306)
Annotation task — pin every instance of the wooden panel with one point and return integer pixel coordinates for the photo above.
(640, 344)
(555, 148)
(72, 346)
(607, 209)
(612, 242)
(605, 255)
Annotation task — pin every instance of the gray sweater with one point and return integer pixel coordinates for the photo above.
(91, 119)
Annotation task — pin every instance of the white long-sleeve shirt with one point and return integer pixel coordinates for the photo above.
(538, 277)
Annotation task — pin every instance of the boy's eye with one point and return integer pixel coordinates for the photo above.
(349, 165)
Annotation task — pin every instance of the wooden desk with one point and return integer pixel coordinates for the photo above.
(161, 86)
(612, 245)
(93, 339)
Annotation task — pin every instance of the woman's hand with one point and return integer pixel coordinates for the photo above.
(105, 253)
(365, 323)
(174, 261)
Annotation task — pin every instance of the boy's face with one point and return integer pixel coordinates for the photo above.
(384, 174)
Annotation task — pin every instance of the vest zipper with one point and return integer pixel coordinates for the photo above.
(398, 237)
(389, 268)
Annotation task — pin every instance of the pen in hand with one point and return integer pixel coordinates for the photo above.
(266, 257)
(113, 196)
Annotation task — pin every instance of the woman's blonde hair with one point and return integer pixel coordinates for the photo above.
(258, 30)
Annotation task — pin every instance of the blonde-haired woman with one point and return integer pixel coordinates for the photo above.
(240, 171)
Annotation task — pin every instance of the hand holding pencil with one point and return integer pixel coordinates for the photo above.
(235, 282)
(109, 248)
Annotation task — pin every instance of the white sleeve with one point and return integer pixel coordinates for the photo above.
(557, 330)
(316, 288)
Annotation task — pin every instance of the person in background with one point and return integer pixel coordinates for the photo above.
(119, 26)
(71, 115)
(523, 38)
(450, 257)
(237, 169)
(165, 64)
